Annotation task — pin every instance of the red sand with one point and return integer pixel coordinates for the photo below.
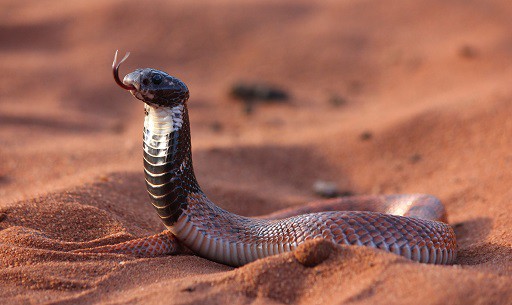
(430, 81)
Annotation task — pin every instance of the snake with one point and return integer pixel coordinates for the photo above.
(413, 226)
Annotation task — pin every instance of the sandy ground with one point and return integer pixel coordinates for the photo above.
(425, 97)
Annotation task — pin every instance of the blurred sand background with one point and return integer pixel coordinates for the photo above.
(386, 97)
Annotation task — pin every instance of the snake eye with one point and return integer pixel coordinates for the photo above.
(157, 79)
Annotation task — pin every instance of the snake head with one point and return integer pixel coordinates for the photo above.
(153, 87)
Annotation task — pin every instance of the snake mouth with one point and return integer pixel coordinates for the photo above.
(115, 71)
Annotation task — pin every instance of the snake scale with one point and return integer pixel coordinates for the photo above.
(412, 226)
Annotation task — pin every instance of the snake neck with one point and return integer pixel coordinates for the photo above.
(168, 166)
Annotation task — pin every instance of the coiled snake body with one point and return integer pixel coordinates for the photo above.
(415, 231)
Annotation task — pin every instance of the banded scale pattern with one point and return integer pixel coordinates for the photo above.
(167, 161)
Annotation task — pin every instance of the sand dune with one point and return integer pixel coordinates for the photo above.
(426, 103)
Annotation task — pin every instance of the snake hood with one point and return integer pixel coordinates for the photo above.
(156, 88)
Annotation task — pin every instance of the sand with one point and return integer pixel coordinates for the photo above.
(402, 97)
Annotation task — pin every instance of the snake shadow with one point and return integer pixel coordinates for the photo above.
(256, 180)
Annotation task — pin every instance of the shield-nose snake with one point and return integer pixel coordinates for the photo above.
(412, 226)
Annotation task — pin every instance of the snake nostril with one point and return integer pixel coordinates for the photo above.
(145, 82)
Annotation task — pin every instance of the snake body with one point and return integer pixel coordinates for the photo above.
(221, 236)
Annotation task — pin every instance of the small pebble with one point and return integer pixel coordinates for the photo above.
(326, 189)
(337, 100)
(188, 289)
(257, 91)
(251, 94)
(216, 126)
(366, 135)
(415, 158)
(467, 51)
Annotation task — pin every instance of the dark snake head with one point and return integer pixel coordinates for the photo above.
(151, 86)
